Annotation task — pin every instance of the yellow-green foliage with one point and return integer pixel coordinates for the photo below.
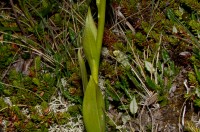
(192, 78)
(93, 102)
(194, 24)
(190, 127)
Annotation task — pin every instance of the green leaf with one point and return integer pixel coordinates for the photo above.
(197, 92)
(93, 108)
(36, 81)
(89, 45)
(197, 102)
(197, 73)
(98, 3)
(37, 63)
(101, 5)
(83, 70)
(133, 106)
(165, 55)
(151, 84)
(149, 67)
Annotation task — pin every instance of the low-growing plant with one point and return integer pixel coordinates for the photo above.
(93, 103)
(193, 88)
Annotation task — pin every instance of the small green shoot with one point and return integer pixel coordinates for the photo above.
(93, 102)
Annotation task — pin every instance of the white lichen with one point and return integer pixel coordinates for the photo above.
(105, 52)
(102, 83)
(25, 111)
(59, 105)
(4, 125)
(75, 124)
(7, 101)
(39, 109)
(121, 58)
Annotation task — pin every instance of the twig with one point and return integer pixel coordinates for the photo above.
(16, 17)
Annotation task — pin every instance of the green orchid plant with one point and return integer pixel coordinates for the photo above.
(93, 102)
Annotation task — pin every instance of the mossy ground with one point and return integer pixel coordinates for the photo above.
(150, 53)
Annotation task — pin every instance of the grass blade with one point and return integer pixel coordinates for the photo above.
(83, 70)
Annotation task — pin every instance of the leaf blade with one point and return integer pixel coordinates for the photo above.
(93, 114)
(83, 70)
(89, 45)
(133, 106)
(149, 67)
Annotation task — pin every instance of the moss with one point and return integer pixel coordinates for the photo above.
(62, 118)
(119, 45)
(74, 110)
(6, 55)
(2, 104)
(192, 79)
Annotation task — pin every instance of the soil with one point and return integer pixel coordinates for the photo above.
(173, 116)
